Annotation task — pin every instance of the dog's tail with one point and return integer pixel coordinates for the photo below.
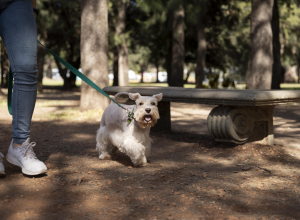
(121, 94)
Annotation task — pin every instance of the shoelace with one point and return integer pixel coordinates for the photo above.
(28, 151)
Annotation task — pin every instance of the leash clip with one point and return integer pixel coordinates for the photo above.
(130, 116)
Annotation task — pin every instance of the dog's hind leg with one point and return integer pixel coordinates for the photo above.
(103, 143)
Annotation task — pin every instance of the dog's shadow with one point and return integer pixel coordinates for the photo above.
(123, 159)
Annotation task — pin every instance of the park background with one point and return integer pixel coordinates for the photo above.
(195, 44)
(190, 176)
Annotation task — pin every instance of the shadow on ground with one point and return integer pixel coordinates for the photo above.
(188, 178)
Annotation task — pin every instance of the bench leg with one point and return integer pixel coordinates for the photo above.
(164, 123)
(242, 124)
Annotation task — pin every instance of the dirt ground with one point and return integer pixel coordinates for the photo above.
(190, 176)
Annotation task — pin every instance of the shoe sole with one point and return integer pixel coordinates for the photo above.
(13, 161)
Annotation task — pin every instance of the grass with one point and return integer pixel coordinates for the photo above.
(75, 114)
(3, 103)
(290, 86)
(287, 86)
(160, 85)
(51, 82)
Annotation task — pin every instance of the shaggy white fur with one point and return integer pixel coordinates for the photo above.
(130, 138)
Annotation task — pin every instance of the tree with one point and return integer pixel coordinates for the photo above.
(214, 36)
(150, 28)
(121, 45)
(94, 52)
(42, 21)
(201, 47)
(62, 22)
(178, 52)
(259, 74)
(41, 53)
(4, 66)
(289, 37)
(276, 69)
(139, 59)
(116, 66)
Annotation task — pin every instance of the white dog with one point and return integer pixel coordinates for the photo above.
(130, 137)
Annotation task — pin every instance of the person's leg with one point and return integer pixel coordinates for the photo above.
(18, 31)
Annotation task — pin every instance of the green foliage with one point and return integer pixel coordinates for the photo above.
(213, 80)
(227, 31)
(61, 22)
(139, 59)
(149, 32)
(289, 37)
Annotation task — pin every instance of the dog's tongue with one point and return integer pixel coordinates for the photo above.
(148, 118)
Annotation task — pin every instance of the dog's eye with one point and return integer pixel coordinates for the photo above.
(152, 103)
(141, 103)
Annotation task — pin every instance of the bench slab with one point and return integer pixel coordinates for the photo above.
(241, 115)
(214, 96)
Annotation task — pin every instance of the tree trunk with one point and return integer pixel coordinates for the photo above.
(49, 68)
(41, 53)
(276, 48)
(157, 71)
(40, 66)
(94, 52)
(259, 74)
(63, 74)
(122, 47)
(4, 66)
(177, 48)
(142, 77)
(201, 51)
(116, 66)
(168, 62)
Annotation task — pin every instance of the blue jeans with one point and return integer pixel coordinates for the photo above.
(19, 34)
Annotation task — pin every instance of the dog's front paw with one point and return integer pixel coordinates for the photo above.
(104, 156)
(141, 162)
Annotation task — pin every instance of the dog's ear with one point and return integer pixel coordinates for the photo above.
(158, 96)
(134, 96)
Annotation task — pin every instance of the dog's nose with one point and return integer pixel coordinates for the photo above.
(148, 110)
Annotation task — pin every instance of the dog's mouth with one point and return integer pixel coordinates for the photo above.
(147, 118)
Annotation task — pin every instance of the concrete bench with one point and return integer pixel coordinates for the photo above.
(241, 115)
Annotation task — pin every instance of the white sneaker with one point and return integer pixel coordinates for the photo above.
(25, 158)
(2, 170)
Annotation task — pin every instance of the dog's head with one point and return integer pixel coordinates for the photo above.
(146, 111)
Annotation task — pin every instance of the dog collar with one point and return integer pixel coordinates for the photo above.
(130, 116)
